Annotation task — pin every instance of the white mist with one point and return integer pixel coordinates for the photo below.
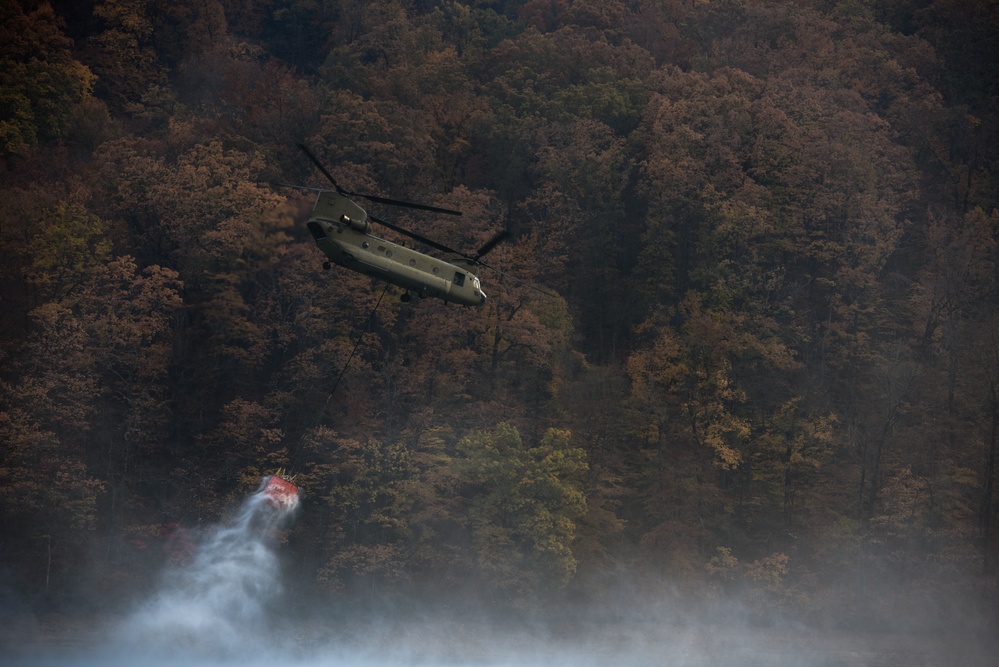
(217, 602)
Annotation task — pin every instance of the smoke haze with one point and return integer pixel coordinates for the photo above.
(225, 606)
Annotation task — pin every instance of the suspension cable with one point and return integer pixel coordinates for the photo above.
(357, 343)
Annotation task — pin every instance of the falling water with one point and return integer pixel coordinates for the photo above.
(219, 608)
(219, 600)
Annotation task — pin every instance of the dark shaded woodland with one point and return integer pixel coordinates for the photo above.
(771, 370)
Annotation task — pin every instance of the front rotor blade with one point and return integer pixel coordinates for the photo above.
(492, 243)
(414, 235)
(407, 204)
(319, 164)
(523, 282)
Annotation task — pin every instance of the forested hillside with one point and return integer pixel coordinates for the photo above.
(771, 368)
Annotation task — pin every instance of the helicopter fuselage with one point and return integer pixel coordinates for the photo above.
(342, 231)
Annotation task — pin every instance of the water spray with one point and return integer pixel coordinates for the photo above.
(220, 600)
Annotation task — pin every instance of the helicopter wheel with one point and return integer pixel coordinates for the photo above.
(327, 266)
(406, 296)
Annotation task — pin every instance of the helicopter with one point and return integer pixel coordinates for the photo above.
(342, 230)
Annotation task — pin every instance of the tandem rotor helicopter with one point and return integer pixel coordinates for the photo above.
(342, 230)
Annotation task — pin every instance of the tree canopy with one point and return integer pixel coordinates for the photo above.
(770, 355)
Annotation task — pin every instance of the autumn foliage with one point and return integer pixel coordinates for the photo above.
(770, 366)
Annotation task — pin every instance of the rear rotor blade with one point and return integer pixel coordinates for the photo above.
(319, 164)
(414, 235)
(378, 200)
(406, 204)
(296, 187)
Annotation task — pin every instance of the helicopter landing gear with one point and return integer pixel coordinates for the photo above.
(406, 296)
(327, 266)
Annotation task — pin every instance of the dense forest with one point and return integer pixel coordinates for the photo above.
(769, 365)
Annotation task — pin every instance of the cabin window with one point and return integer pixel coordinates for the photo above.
(436, 270)
(412, 262)
(459, 278)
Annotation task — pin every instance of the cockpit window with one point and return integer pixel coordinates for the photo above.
(459, 278)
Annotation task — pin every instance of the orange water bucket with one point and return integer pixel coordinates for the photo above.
(281, 493)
